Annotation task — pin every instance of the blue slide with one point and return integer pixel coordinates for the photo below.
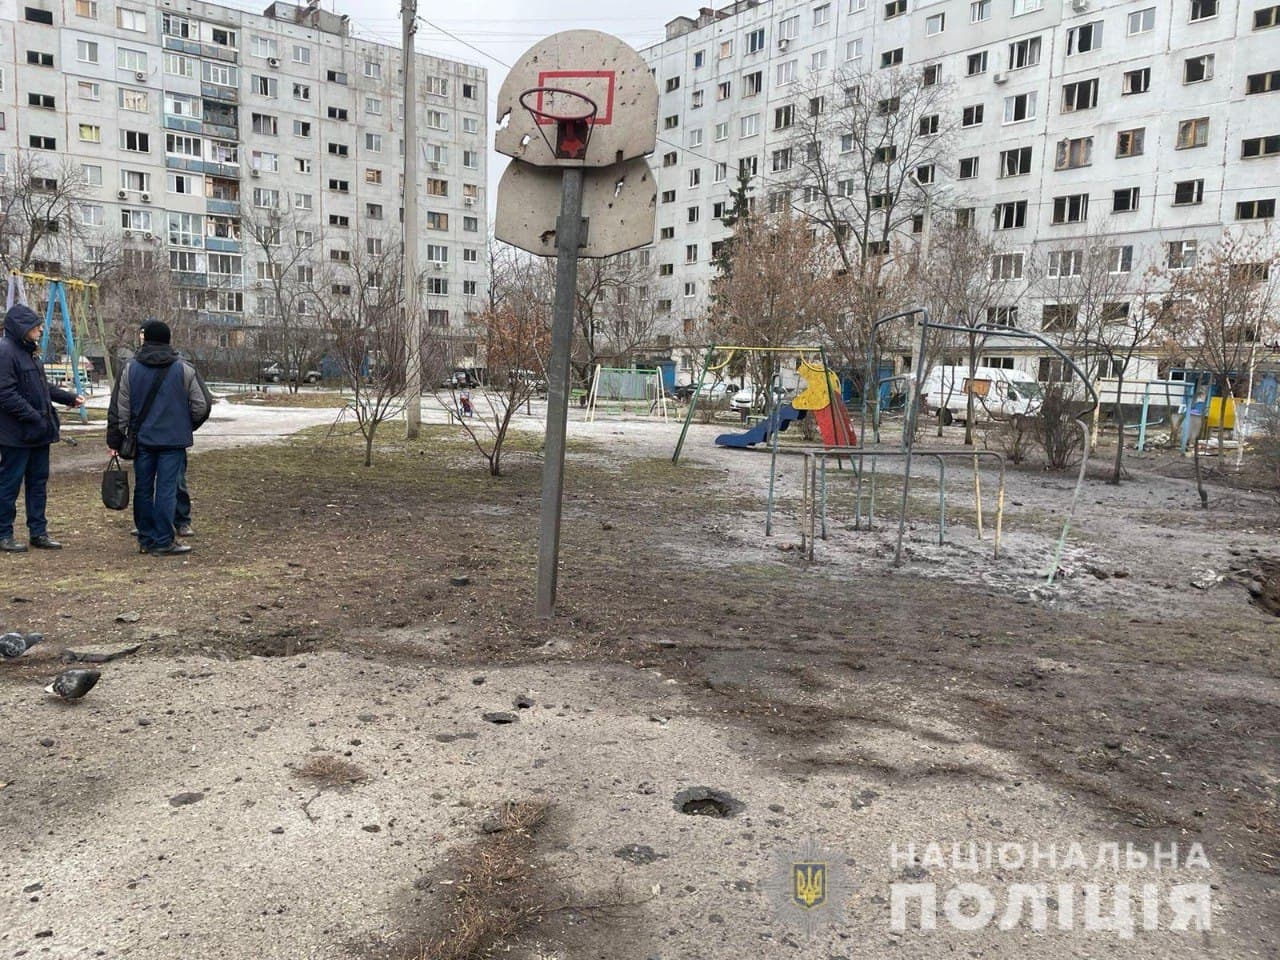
(781, 418)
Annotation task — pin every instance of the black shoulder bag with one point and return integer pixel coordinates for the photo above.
(129, 446)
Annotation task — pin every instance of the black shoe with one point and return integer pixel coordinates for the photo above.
(184, 530)
(10, 545)
(45, 542)
(169, 549)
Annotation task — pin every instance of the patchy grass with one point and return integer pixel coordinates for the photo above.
(325, 770)
(495, 892)
(311, 399)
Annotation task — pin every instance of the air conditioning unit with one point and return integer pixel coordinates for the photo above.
(469, 201)
(122, 194)
(128, 234)
(999, 77)
(257, 284)
(273, 62)
(140, 76)
(437, 265)
(783, 43)
(435, 165)
(152, 237)
(255, 172)
(146, 198)
(1079, 6)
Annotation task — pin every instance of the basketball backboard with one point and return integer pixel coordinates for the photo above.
(619, 209)
(593, 65)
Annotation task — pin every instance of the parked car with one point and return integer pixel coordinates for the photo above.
(720, 390)
(460, 380)
(275, 372)
(999, 393)
(749, 398)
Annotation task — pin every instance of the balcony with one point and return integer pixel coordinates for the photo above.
(184, 279)
(213, 91)
(226, 281)
(226, 131)
(221, 245)
(184, 163)
(215, 52)
(229, 170)
(185, 124)
(182, 46)
(226, 208)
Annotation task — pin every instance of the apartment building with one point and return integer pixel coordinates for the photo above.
(186, 118)
(1154, 124)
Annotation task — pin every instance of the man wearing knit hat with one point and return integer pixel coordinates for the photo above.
(161, 400)
(28, 425)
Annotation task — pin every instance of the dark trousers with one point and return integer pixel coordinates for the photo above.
(24, 467)
(155, 496)
(182, 514)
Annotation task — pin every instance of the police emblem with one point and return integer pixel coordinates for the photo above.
(808, 887)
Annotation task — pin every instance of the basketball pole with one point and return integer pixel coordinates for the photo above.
(568, 240)
(409, 244)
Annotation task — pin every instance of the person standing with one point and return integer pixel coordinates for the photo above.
(162, 400)
(28, 426)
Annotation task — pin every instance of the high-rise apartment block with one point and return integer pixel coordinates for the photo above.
(1156, 125)
(187, 118)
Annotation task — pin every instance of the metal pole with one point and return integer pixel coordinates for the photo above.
(909, 436)
(693, 402)
(568, 239)
(409, 242)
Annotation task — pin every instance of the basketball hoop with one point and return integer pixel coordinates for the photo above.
(573, 123)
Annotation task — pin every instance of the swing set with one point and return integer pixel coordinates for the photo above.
(59, 295)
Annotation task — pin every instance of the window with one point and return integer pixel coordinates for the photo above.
(219, 74)
(1019, 108)
(671, 122)
(90, 133)
(932, 75)
(1199, 69)
(935, 24)
(1193, 133)
(87, 51)
(1006, 266)
(38, 59)
(336, 76)
(1059, 316)
(928, 126)
(755, 43)
(1084, 38)
(1182, 254)
(437, 221)
(137, 101)
(1265, 17)
(437, 286)
(816, 106)
(1081, 95)
(783, 117)
(437, 187)
(894, 8)
(373, 142)
(853, 49)
(888, 106)
(781, 160)
(748, 166)
(135, 141)
(750, 126)
(753, 83)
(1142, 21)
(437, 120)
(471, 159)
(818, 61)
(1073, 208)
(1011, 215)
(266, 86)
(88, 90)
(1120, 259)
(302, 128)
(789, 28)
(1136, 81)
(694, 214)
(976, 63)
(724, 89)
(265, 124)
(882, 155)
(1074, 153)
(1188, 193)
(968, 168)
(135, 60)
(470, 224)
(339, 150)
(1256, 209)
(1203, 9)
(87, 9)
(301, 54)
(822, 14)
(93, 214)
(336, 113)
(972, 116)
(1024, 53)
(1260, 82)
(1129, 143)
(302, 91)
(1255, 147)
(135, 220)
(1001, 317)
(891, 58)
(696, 98)
(1016, 162)
(691, 253)
(725, 50)
(1026, 6)
(42, 100)
(722, 131)
(179, 66)
(1125, 200)
(134, 20)
(92, 174)
(339, 186)
(719, 173)
(1066, 263)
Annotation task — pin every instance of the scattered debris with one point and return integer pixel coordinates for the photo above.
(71, 656)
(73, 684)
(459, 581)
(185, 799)
(500, 717)
(638, 854)
(328, 770)
(1205, 579)
(706, 802)
(131, 616)
(523, 703)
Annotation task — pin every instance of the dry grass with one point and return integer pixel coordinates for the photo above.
(496, 893)
(326, 770)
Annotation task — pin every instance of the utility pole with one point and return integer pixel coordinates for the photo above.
(409, 247)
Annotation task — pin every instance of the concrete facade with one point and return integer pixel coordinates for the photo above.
(186, 114)
(796, 45)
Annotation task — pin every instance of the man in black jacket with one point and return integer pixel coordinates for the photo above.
(28, 425)
(161, 399)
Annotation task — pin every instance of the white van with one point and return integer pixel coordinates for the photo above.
(997, 393)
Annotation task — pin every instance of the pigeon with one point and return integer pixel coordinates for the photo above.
(73, 684)
(13, 645)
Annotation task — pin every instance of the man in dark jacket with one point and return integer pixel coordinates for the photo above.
(181, 404)
(28, 425)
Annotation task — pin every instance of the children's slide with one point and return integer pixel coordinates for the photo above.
(782, 417)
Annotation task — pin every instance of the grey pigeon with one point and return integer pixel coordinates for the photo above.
(73, 684)
(15, 644)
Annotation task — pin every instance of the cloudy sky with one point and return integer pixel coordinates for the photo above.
(494, 33)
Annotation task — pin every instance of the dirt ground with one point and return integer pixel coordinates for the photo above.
(196, 802)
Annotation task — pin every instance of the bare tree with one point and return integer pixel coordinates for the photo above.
(1222, 308)
(361, 304)
(41, 216)
(286, 248)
